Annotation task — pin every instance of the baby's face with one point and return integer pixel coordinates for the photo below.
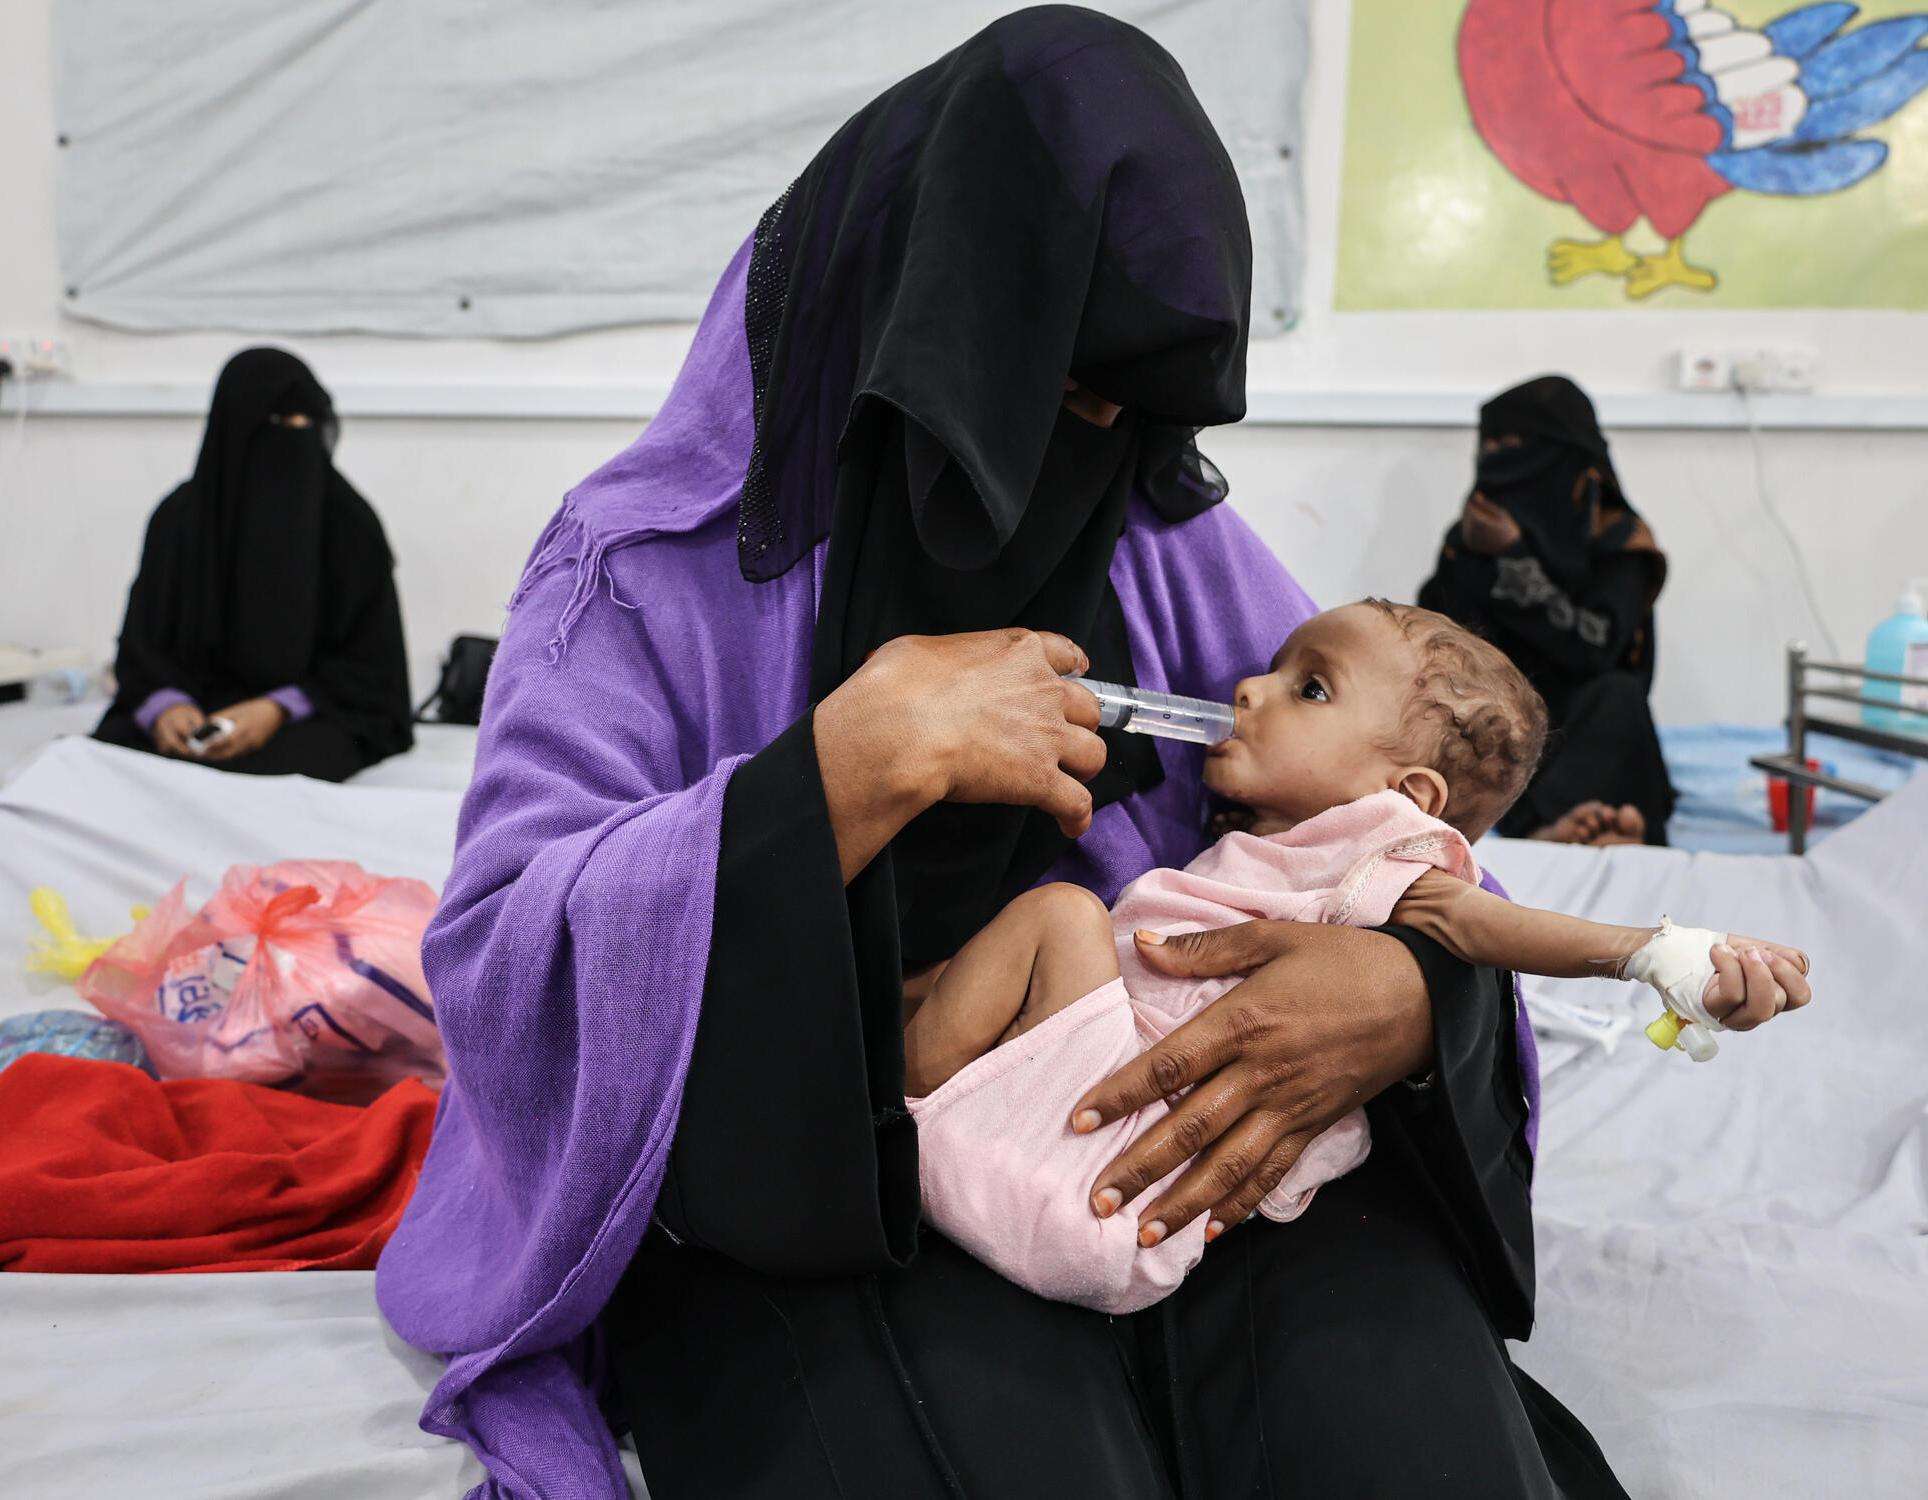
(1309, 730)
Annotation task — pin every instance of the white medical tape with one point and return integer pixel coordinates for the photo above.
(1677, 962)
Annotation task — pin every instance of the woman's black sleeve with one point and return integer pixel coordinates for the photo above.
(1464, 1129)
(359, 676)
(142, 664)
(794, 1154)
(1459, 584)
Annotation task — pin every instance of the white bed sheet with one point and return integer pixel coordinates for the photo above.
(1733, 1258)
(286, 1384)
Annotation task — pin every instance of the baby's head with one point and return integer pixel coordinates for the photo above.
(1379, 695)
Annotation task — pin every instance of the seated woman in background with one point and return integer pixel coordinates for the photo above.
(1550, 562)
(266, 597)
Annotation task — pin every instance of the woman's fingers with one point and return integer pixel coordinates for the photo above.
(1200, 1118)
(1217, 951)
(1240, 1164)
(1063, 654)
(1244, 1202)
(1083, 754)
(1193, 1052)
(172, 728)
(1067, 800)
(1080, 706)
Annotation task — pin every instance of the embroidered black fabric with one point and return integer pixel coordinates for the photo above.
(759, 523)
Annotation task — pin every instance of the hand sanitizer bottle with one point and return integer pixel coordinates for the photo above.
(1900, 644)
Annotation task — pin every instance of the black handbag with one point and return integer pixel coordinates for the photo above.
(457, 698)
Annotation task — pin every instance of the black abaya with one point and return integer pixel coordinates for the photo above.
(1571, 602)
(264, 571)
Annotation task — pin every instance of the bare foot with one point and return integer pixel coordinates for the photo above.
(1597, 824)
(1580, 825)
(1628, 827)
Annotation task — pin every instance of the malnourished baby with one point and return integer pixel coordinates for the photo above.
(1383, 740)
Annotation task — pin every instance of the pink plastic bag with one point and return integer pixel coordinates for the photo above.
(306, 973)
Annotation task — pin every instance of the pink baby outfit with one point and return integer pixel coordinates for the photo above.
(1003, 1175)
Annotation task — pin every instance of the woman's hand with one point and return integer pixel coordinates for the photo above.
(981, 717)
(255, 721)
(172, 728)
(1486, 527)
(1328, 1018)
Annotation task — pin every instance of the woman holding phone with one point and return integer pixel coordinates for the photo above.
(263, 633)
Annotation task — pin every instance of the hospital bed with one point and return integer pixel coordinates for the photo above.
(1733, 1258)
(1842, 682)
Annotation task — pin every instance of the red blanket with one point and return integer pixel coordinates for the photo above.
(103, 1169)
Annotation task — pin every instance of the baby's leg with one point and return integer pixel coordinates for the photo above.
(1046, 950)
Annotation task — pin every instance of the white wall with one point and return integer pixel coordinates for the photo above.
(1352, 508)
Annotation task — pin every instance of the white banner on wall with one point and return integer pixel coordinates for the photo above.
(503, 168)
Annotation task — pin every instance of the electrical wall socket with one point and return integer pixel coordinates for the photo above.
(1704, 370)
(1788, 368)
(1778, 369)
(34, 356)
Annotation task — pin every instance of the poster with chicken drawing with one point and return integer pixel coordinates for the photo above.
(1635, 153)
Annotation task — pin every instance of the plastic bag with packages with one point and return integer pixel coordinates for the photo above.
(306, 973)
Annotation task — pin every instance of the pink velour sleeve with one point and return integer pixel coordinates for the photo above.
(1374, 887)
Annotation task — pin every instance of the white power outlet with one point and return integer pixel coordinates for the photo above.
(1704, 370)
(35, 357)
(1795, 369)
(1777, 369)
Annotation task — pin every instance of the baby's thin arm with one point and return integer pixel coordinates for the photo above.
(1481, 928)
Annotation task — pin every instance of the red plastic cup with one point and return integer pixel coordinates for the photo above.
(1777, 799)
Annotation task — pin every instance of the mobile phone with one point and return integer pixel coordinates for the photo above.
(210, 731)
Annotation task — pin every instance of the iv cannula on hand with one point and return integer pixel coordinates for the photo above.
(1166, 715)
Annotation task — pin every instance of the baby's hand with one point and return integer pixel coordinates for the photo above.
(1712, 980)
(1754, 981)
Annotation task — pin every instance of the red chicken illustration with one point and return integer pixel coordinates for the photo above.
(1630, 109)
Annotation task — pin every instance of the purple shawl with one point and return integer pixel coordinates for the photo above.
(637, 669)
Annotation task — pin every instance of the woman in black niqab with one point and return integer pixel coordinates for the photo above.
(1551, 561)
(265, 595)
(1046, 204)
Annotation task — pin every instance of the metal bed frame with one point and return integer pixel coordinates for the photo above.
(1800, 724)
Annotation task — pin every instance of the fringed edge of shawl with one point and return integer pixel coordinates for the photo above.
(568, 540)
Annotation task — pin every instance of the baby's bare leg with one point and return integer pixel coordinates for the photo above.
(1043, 952)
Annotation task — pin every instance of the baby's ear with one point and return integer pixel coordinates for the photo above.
(1425, 786)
